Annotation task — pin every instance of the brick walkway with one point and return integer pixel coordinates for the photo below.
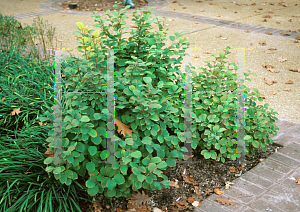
(270, 186)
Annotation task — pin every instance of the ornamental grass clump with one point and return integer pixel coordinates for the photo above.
(149, 110)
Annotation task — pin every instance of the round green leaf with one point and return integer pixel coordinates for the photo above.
(85, 119)
(119, 179)
(92, 150)
(90, 166)
(93, 191)
(90, 184)
(111, 184)
(136, 154)
(92, 133)
(147, 80)
(97, 140)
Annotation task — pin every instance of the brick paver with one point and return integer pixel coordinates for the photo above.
(270, 186)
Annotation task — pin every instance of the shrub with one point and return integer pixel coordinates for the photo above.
(149, 111)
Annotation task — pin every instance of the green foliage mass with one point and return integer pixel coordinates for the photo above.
(149, 98)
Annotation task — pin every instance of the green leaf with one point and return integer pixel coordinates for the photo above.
(162, 165)
(205, 153)
(152, 167)
(92, 133)
(141, 177)
(90, 166)
(75, 123)
(48, 160)
(147, 80)
(172, 38)
(155, 160)
(136, 154)
(119, 179)
(124, 169)
(97, 116)
(97, 140)
(84, 119)
(247, 137)
(90, 184)
(92, 150)
(111, 184)
(146, 161)
(63, 179)
(92, 191)
(147, 140)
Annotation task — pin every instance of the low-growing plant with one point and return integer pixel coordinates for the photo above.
(24, 183)
(149, 110)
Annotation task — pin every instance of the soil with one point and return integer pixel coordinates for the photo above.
(207, 173)
(101, 5)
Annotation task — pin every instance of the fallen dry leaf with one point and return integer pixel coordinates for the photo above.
(267, 66)
(272, 49)
(247, 31)
(264, 20)
(123, 128)
(207, 192)
(188, 179)
(294, 70)
(173, 184)
(232, 169)
(228, 184)
(224, 201)
(297, 180)
(48, 153)
(297, 38)
(218, 192)
(206, 52)
(269, 33)
(267, 16)
(273, 92)
(16, 111)
(280, 59)
(269, 82)
(286, 89)
(284, 34)
(262, 42)
(197, 190)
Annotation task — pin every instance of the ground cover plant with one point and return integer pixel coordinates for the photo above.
(149, 111)
(160, 123)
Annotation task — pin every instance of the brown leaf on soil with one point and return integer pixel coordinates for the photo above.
(207, 52)
(48, 153)
(278, 22)
(297, 38)
(16, 111)
(284, 34)
(191, 199)
(272, 70)
(224, 201)
(173, 1)
(267, 66)
(138, 199)
(273, 92)
(232, 169)
(260, 8)
(267, 16)
(120, 210)
(297, 180)
(197, 190)
(198, 1)
(271, 3)
(173, 184)
(97, 207)
(294, 70)
(289, 82)
(269, 82)
(181, 205)
(254, 4)
(264, 20)
(247, 31)
(123, 128)
(207, 192)
(188, 179)
(269, 33)
(218, 192)
(272, 49)
(262, 42)
(280, 59)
